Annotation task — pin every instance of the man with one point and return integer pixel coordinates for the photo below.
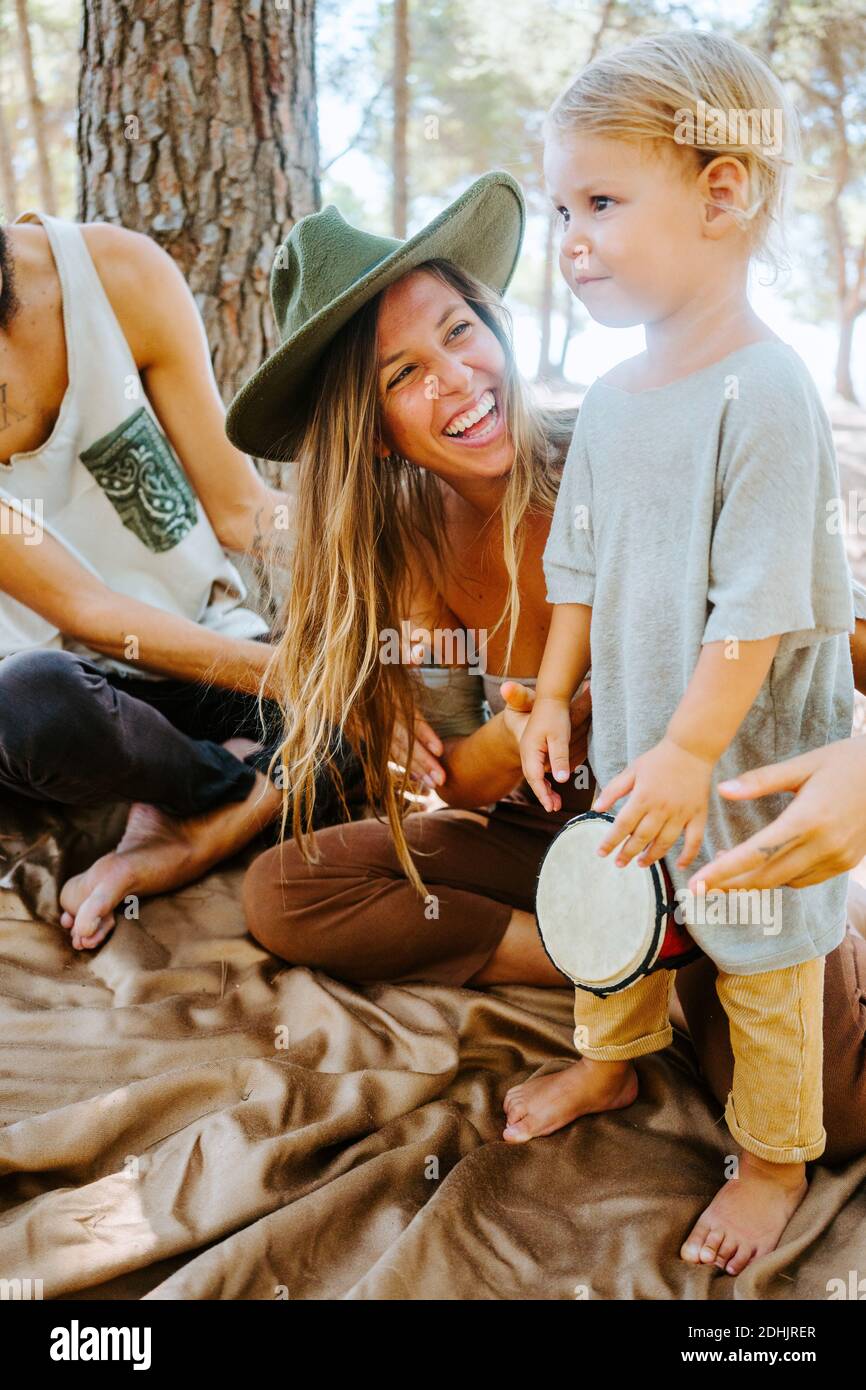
(130, 666)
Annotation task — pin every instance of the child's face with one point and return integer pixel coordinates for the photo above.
(633, 248)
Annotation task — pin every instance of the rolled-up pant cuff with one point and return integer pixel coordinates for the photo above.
(622, 1052)
(799, 1153)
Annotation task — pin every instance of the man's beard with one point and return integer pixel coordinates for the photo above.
(9, 301)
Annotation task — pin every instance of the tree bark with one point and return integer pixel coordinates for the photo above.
(401, 118)
(47, 197)
(849, 296)
(197, 125)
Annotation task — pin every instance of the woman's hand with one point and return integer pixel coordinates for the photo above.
(669, 790)
(519, 700)
(427, 748)
(821, 833)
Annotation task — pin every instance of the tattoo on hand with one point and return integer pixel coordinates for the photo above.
(769, 850)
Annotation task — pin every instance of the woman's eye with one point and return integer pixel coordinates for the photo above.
(600, 198)
(399, 377)
(458, 330)
(563, 212)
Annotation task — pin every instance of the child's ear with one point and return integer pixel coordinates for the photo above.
(723, 184)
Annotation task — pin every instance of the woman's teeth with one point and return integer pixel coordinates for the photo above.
(467, 425)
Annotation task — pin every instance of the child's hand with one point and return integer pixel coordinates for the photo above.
(670, 791)
(547, 735)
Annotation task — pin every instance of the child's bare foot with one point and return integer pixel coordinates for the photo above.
(747, 1216)
(546, 1103)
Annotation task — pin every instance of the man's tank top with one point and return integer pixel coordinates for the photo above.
(108, 485)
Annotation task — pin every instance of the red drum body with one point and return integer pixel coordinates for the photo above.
(602, 926)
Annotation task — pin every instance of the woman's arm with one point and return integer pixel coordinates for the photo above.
(49, 580)
(490, 770)
(481, 767)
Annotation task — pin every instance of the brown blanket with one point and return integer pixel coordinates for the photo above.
(186, 1117)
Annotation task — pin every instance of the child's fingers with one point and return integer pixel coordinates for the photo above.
(643, 834)
(557, 752)
(667, 836)
(533, 770)
(694, 836)
(622, 827)
(617, 787)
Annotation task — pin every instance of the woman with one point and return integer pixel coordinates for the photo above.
(426, 483)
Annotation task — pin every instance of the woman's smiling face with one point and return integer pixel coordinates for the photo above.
(441, 370)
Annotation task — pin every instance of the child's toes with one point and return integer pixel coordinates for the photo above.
(727, 1251)
(515, 1114)
(702, 1244)
(517, 1132)
(711, 1246)
(737, 1263)
(514, 1104)
(692, 1246)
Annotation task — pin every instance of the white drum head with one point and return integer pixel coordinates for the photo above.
(597, 921)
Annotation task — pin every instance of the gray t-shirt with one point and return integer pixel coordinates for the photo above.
(702, 511)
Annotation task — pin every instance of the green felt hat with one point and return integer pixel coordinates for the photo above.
(326, 269)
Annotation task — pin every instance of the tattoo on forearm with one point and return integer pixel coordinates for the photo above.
(8, 414)
(769, 850)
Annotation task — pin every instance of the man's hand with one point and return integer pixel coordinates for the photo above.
(670, 792)
(820, 833)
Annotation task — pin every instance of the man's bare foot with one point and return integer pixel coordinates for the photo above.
(546, 1103)
(747, 1216)
(157, 852)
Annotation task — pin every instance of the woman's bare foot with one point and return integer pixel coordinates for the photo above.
(157, 853)
(546, 1103)
(747, 1216)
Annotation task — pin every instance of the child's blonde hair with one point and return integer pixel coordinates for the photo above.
(701, 91)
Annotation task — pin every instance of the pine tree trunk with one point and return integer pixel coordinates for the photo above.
(401, 117)
(47, 198)
(197, 125)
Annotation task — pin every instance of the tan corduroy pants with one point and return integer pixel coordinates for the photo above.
(775, 1105)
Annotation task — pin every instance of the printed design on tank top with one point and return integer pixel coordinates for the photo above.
(139, 474)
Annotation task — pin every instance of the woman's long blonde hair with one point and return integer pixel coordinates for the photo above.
(358, 518)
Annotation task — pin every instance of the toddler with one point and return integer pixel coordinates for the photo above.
(690, 561)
